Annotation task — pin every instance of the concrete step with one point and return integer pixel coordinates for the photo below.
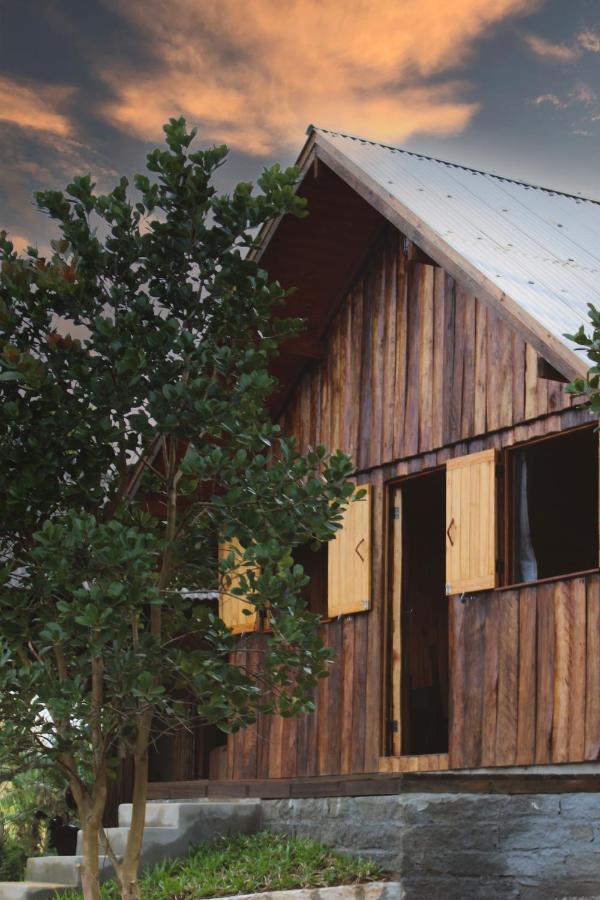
(29, 890)
(61, 869)
(117, 838)
(172, 827)
(161, 813)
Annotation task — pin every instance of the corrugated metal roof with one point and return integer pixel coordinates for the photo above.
(540, 247)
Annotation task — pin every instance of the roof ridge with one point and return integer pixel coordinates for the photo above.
(453, 165)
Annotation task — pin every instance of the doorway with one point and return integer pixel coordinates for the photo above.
(419, 715)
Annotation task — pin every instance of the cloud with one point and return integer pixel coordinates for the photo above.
(581, 101)
(256, 78)
(589, 40)
(39, 148)
(582, 93)
(585, 41)
(548, 50)
(35, 106)
(551, 100)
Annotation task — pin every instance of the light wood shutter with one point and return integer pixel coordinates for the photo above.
(231, 608)
(471, 523)
(349, 561)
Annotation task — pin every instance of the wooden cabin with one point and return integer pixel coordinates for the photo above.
(462, 599)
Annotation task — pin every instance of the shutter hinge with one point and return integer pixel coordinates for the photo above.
(499, 470)
(393, 726)
(395, 513)
(499, 566)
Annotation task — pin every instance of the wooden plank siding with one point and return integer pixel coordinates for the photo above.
(413, 363)
(538, 648)
(416, 372)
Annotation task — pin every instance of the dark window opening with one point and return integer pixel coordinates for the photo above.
(553, 511)
(424, 616)
(314, 563)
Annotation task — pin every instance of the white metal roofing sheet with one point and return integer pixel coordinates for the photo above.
(541, 247)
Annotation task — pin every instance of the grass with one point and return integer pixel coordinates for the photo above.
(246, 864)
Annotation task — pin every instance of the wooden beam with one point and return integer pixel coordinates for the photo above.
(545, 370)
(432, 781)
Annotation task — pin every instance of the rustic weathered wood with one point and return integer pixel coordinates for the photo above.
(526, 712)
(396, 606)
(418, 371)
(578, 673)
(592, 693)
(546, 674)
(508, 670)
(435, 247)
(490, 679)
(432, 762)
(432, 781)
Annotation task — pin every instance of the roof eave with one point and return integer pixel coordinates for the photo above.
(565, 360)
(304, 162)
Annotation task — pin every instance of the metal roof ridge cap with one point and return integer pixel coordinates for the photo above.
(317, 129)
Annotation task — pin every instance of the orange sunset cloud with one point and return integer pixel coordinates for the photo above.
(255, 74)
(36, 106)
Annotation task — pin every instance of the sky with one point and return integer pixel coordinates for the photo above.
(508, 86)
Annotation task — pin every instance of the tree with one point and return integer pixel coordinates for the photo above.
(588, 340)
(105, 636)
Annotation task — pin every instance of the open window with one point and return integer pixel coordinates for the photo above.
(552, 514)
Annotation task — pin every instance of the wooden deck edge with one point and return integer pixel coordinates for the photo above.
(432, 762)
(377, 784)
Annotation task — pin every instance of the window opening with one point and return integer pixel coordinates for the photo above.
(553, 514)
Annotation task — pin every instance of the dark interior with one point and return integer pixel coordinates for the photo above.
(424, 616)
(562, 503)
(314, 563)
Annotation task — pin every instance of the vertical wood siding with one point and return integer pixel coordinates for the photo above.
(418, 371)
(415, 363)
(524, 675)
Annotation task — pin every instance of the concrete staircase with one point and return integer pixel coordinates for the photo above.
(172, 827)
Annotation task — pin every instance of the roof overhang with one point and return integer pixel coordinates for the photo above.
(320, 256)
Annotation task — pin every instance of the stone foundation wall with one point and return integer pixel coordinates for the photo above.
(461, 846)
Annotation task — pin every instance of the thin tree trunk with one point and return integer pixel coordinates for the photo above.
(129, 868)
(90, 871)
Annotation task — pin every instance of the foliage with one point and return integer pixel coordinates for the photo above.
(27, 804)
(144, 346)
(588, 339)
(247, 864)
(13, 857)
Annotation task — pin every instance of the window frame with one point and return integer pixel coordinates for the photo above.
(506, 509)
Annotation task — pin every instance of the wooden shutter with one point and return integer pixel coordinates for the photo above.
(231, 608)
(471, 523)
(349, 561)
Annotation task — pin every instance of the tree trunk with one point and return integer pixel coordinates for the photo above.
(90, 865)
(129, 868)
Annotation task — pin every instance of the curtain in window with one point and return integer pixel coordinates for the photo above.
(527, 569)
